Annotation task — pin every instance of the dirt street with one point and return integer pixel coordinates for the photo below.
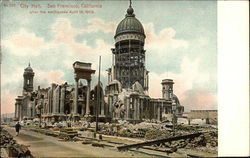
(46, 146)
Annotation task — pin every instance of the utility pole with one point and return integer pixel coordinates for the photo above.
(98, 96)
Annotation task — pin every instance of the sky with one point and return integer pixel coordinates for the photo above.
(181, 44)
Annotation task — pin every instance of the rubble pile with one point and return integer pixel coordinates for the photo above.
(13, 149)
(126, 129)
(157, 134)
(67, 133)
(152, 131)
(18, 150)
(5, 138)
(208, 140)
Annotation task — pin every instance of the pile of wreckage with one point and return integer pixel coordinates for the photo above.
(10, 145)
(148, 131)
(207, 135)
(160, 135)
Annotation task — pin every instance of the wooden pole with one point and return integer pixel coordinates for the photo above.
(98, 96)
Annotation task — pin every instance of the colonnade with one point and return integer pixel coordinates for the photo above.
(75, 105)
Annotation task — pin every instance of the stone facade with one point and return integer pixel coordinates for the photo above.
(25, 104)
(125, 96)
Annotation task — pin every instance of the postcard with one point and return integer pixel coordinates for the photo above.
(109, 78)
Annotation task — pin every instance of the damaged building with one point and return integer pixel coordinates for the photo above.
(128, 78)
(124, 97)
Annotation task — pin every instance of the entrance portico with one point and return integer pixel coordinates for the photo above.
(82, 71)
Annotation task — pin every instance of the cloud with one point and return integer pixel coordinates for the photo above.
(164, 40)
(97, 24)
(8, 101)
(41, 77)
(11, 78)
(24, 43)
(191, 85)
(199, 99)
(45, 79)
(83, 48)
(65, 34)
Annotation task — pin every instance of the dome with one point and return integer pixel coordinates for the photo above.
(129, 24)
(28, 69)
(176, 99)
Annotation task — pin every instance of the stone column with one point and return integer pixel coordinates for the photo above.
(54, 102)
(20, 112)
(58, 91)
(44, 107)
(155, 110)
(127, 108)
(158, 112)
(138, 108)
(15, 110)
(111, 105)
(76, 97)
(108, 109)
(34, 110)
(62, 100)
(83, 108)
(147, 81)
(141, 109)
(102, 104)
(49, 100)
(29, 109)
(52, 98)
(88, 97)
(135, 108)
(162, 110)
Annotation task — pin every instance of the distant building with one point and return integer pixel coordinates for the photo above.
(5, 118)
(211, 116)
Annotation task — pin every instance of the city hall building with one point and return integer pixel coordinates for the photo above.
(124, 98)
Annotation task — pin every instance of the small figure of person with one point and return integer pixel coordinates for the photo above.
(18, 127)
